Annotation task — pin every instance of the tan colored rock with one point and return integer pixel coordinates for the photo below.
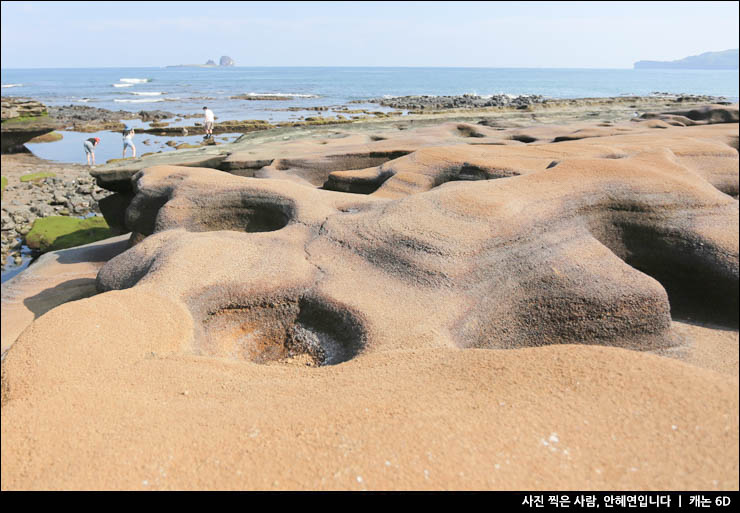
(483, 319)
(56, 278)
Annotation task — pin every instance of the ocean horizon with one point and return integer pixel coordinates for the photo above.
(185, 90)
(299, 92)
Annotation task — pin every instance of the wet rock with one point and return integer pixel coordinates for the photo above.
(8, 224)
(465, 101)
(42, 210)
(22, 120)
(154, 115)
(58, 198)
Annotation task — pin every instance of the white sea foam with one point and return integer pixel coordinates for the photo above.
(153, 100)
(84, 100)
(135, 80)
(122, 85)
(286, 95)
(152, 93)
(12, 85)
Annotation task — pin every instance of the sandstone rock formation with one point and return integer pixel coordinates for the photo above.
(554, 243)
(328, 309)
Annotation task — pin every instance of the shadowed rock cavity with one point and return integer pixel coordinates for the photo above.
(523, 138)
(246, 215)
(701, 282)
(406, 173)
(316, 170)
(233, 210)
(469, 172)
(469, 131)
(734, 142)
(306, 330)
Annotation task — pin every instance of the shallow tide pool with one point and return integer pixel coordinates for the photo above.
(70, 149)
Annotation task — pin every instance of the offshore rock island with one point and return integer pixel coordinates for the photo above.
(224, 62)
(446, 299)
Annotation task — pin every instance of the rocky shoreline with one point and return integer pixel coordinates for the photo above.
(84, 118)
(464, 101)
(87, 119)
(24, 119)
(71, 191)
(472, 101)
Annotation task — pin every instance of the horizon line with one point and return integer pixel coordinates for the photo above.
(200, 66)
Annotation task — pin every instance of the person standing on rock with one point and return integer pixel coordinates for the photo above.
(128, 140)
(208, 113)
(89, 145)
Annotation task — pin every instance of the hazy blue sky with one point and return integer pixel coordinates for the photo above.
(488, 34)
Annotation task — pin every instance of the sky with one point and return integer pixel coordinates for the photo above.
(449, 34)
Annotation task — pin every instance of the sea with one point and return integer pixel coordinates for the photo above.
(186, 90)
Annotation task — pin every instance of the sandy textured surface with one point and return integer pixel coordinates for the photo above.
(56, 278)
(402, 311)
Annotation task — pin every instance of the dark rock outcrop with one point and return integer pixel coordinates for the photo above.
(84, 118)
(706, 115)
(22, 120)
(465, 101)
(226, 61)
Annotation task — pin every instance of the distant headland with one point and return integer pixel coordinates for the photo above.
(727, 59)
(224, 62)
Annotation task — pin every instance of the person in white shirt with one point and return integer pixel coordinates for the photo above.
(128, 141)
(208, 113)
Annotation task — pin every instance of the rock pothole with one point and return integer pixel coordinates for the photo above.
(701, 284)
(306, 331)
(250, 217)
(523, 138)
(469, 131)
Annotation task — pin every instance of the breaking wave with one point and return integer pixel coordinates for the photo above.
(122, 85)
(152, 93)
(134, 80)
(12, 85)
(153, 100)
(286, 95)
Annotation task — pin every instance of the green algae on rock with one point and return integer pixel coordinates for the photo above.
(33, 177)
(4, 182)
(61, 232)
(50, 137)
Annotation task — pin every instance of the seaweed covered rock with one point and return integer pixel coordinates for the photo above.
(61, 232)
(22, 120)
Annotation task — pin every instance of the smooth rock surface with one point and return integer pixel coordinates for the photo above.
(470, 311)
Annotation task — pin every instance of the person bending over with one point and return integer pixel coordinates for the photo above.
(89, 145)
